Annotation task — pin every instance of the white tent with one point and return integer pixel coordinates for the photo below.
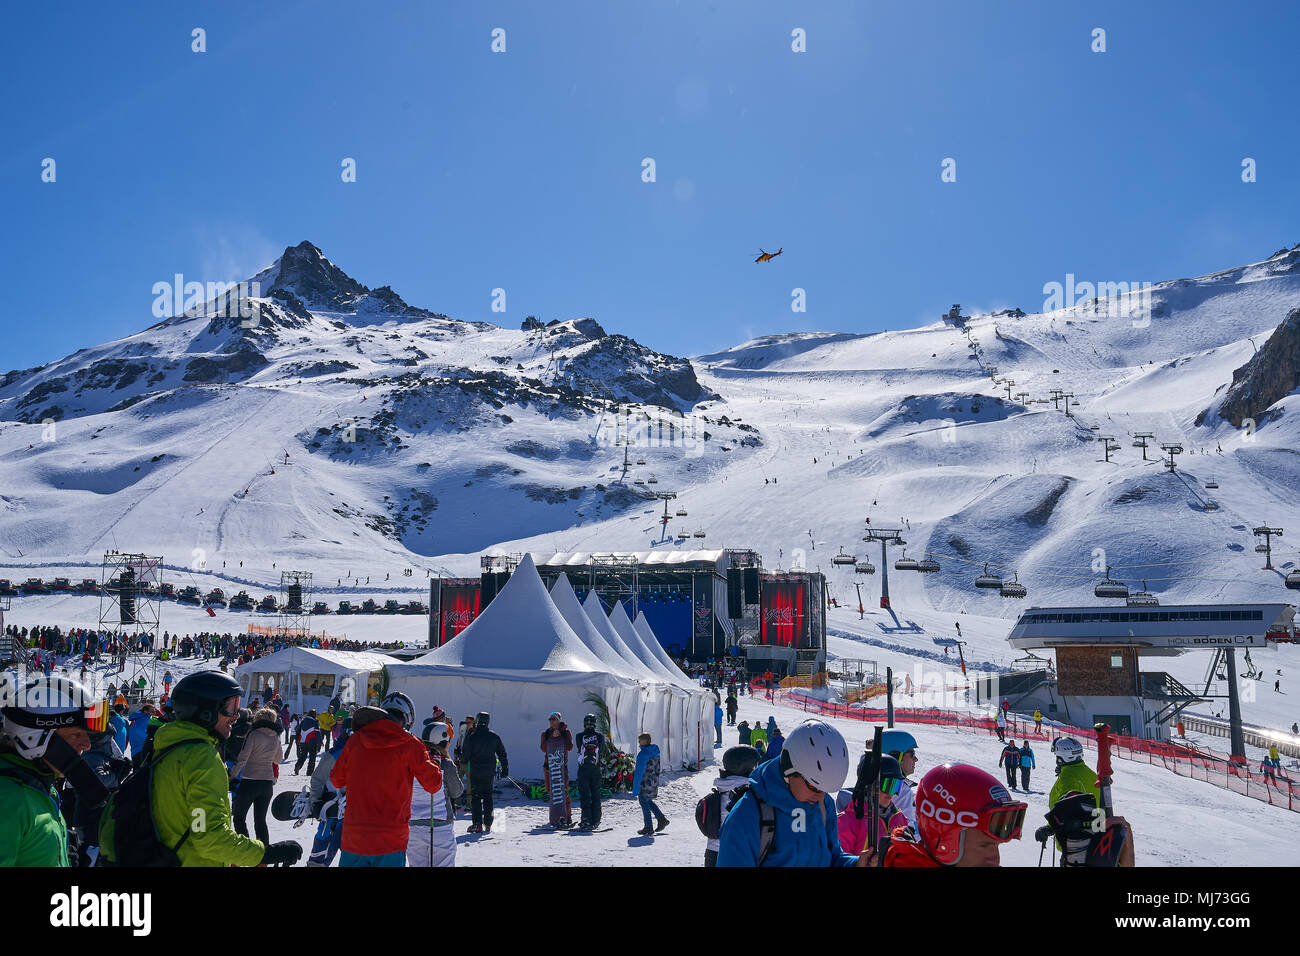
(519, 660)
(704, 701)
(643, 628)
(688, 734)
(637, 668)
(571, 610)
(307, 677)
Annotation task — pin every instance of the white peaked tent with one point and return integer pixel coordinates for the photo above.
(651, 641)
(519, 661)
(688, 736)
(308, 677)
(571, 610)
(636, 668)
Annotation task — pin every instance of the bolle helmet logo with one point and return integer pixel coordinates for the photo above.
(946, 815)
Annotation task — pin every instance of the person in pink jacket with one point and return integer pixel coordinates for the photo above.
(853, 831)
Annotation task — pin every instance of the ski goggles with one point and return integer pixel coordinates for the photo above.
(891, 785)
(1003, 823)
(97, 717)
(230, 707)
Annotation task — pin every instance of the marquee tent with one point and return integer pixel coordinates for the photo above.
(519, 661)
(308, 677)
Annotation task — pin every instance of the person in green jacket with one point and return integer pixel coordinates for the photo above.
(1072, 774)
(44, 730)
(190, 795)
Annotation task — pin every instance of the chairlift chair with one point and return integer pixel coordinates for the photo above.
(1143, 598)
(1212, 485)
(864, 567)
(1013, 589)
(1110, 588)
(906, 564)
(652, 480)
(927, 565)
(640, 461)
(1211, 504)
(986, 580)
(1261, 549)
(1293, 580)
(843, 558)
(699, 533)
(681, 512)
(639, 481)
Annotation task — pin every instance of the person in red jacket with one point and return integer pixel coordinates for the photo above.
(378, 766)
(963, 816)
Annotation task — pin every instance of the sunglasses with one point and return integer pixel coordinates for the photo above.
(807, 784)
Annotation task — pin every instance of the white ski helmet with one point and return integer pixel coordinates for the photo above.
(817, 752)
(33, 713)
(1067, 750)
(436, 733)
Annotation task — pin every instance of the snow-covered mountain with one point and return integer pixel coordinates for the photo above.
(415, 440)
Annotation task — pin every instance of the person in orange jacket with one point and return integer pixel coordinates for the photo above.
(379, 766)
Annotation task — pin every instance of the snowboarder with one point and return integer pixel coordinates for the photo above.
(732, 705)
(592, 748)
(556, 742)
(1011, 760)
(482, 750)
(645, 784)
(433, 819)
(1026, 764)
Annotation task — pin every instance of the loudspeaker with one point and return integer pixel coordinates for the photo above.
(126, 596)
(487, 588)
(751, 585)
(735, 589)
(295, 598)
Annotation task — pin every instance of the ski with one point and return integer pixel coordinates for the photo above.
(1110, 846)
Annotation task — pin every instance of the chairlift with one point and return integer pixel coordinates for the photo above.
(1211, 505)
(1013, 589)
(864, 567)
(640, 461)
(986, 580)
(681, 512)
(1212, 485)
(927, 565)
(652, 480)
(1110, 588)
(1261, 549)
(1293, 580)
(1094, 428)
(843, 558)
(1143, 598)
(699, 533)
(906, 564)
(639, 481)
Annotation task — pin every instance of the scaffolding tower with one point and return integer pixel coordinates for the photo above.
(128, 594)
(295, 603)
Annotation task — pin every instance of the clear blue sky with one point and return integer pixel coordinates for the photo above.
(522, 170)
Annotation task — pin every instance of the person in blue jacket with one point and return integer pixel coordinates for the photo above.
(771, 726)
(139, 729)
(1026, 764)
(120, 727)
(787, 816)
(717, 722)
(645, 784)
(774, 743)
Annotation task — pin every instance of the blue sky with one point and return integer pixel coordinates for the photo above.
(522, 170)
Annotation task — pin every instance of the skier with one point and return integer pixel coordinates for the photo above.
(433, 833)
(309, 740)
(483, 748)
(853, 830)
(901, 745)
(1002, 726)
(963, 817)
(44, 731)
(1026, 764)
(772, 823)
(1011, 760)
(1038, 723)
(645, 784)
(732, 706)
(189, 783)
(379, 766)
(592, 747)
(1072, 774)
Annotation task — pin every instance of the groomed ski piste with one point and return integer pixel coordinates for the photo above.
(907, 428)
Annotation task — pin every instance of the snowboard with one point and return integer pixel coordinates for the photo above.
(557, 781)
(290, 805)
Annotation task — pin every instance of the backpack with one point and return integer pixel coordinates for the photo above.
(135, 835)
(708, 817)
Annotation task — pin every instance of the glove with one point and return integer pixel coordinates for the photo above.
(286, 852)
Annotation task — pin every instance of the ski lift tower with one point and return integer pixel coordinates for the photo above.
(1055, 395)
(1008, 384)
(1021, 396)
(1171, 449)
(295, 603)
(1140, 440)
(665, 497)
(1068, 397)
(1266, 549)
(885, 536)
(1109, 445)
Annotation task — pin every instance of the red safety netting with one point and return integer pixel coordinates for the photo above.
(1273, 788)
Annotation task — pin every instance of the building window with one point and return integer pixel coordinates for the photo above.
(1116, 659)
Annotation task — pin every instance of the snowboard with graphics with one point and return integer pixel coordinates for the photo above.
(557, 781)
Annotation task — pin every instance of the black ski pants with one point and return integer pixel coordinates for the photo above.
(257, 795)
(480, 802)
(589, 793)
(1024, 778)
(307, 752)
(1011, 776)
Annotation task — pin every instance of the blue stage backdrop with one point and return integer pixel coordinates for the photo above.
(669, 616)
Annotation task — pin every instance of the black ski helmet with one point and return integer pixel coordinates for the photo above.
(481, 719)
(740, 761)
(198, 697)
(589, 722)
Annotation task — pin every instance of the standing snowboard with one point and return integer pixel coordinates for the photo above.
(557, 780)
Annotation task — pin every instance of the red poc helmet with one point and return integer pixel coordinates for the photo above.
(954, 798)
